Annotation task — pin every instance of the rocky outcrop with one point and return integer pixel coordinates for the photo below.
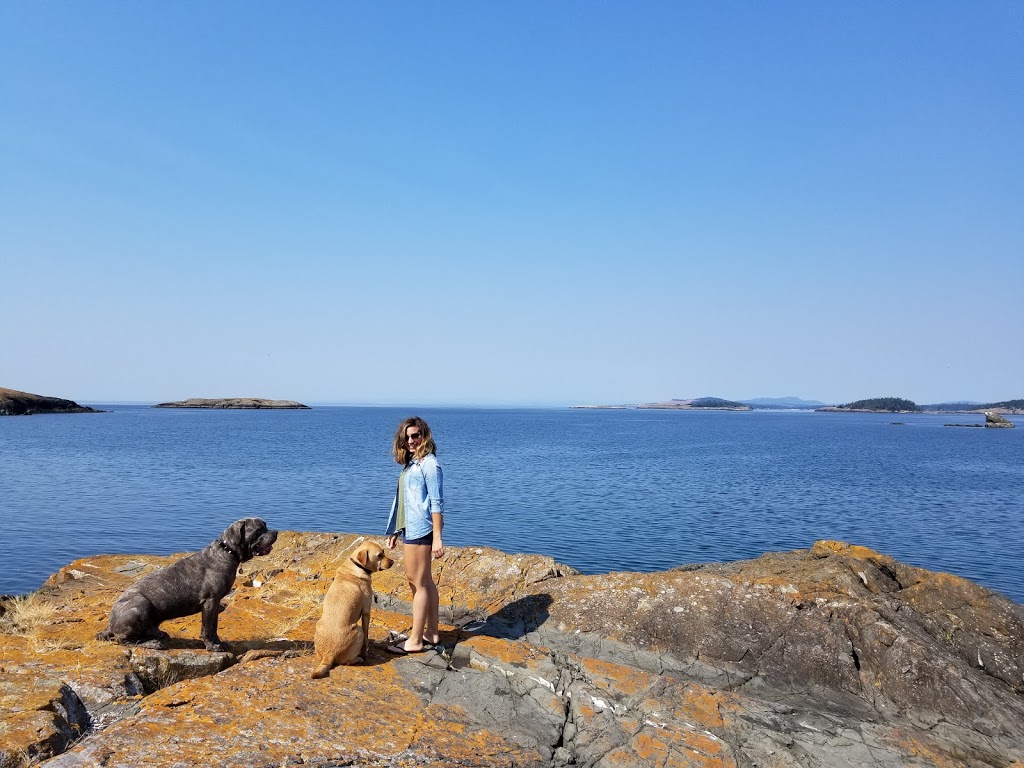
(232, 402)
(15, 403)
(995, 420)
(833, 656)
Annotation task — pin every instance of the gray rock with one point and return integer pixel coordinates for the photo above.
(16, 403)
(995, 420)
(832, 656)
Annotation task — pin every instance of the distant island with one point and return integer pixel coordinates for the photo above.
(901, 405)
(720, 404)
(787, 403)
(699, 403)
(875, 405)
(693, 404)
(16, 403)
(870, 405)
(233, 402)
(1012, 407)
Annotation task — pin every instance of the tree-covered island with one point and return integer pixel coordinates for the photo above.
(876, 405)
(901, 405)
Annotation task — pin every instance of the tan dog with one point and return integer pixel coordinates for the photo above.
(343, 633)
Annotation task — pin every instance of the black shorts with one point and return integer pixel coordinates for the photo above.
(428, 540)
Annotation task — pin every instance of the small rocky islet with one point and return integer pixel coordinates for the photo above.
(835, 655)
(14, 402)
(233, 402)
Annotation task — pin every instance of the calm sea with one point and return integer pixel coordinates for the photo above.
(599, 490)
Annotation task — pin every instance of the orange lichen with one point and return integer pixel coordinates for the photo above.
(263, 709)
(650, 749)
(701, 705)
(627, 680)
(826, 547)
(501, 651)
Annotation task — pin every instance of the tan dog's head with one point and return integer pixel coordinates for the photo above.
(371, 557)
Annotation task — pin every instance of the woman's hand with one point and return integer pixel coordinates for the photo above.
(391, 541)
(438, 548)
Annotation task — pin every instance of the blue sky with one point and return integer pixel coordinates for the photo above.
(514, 203)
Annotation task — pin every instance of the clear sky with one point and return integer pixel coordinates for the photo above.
(512, 203)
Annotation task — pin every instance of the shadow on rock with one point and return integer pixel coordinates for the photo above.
(515, 620)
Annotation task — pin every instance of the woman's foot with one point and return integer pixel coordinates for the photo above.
(402, 638)
(404, 649)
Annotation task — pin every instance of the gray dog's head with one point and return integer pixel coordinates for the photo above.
(249, 537)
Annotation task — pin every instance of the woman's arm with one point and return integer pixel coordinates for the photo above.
(434, 481)
(437, 550)
(390, 532)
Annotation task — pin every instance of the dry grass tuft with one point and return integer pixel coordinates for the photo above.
(306, 606)
(301, 604)
(50, 644)
(23, 615)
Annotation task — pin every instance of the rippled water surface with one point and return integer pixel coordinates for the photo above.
(597, 489)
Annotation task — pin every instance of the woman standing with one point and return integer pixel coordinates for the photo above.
(416, 515)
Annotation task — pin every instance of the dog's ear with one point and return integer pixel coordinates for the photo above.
(234, 537)
(363, 557)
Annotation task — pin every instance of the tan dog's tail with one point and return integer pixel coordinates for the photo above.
(321, 672)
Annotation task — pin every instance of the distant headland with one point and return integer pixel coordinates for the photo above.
(233, 402)
(16, 403)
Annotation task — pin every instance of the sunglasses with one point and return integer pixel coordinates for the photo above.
(413, 436)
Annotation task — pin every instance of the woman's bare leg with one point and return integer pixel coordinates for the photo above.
(417, 560)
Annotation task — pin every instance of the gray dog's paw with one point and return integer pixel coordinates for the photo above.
(153, 645)
(216, 647)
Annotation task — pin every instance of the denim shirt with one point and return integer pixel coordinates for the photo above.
(423, 498)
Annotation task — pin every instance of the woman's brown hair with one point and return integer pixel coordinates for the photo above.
(400, 450)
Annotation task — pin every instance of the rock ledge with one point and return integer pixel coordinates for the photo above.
(832, 656)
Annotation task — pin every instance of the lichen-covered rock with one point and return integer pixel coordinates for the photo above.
(833, 656)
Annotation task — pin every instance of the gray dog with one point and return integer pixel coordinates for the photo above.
(190, 585)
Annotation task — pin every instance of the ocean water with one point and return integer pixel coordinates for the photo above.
(599, 490)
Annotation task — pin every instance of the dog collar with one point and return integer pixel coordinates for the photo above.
(363, 567)
(224, 545)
